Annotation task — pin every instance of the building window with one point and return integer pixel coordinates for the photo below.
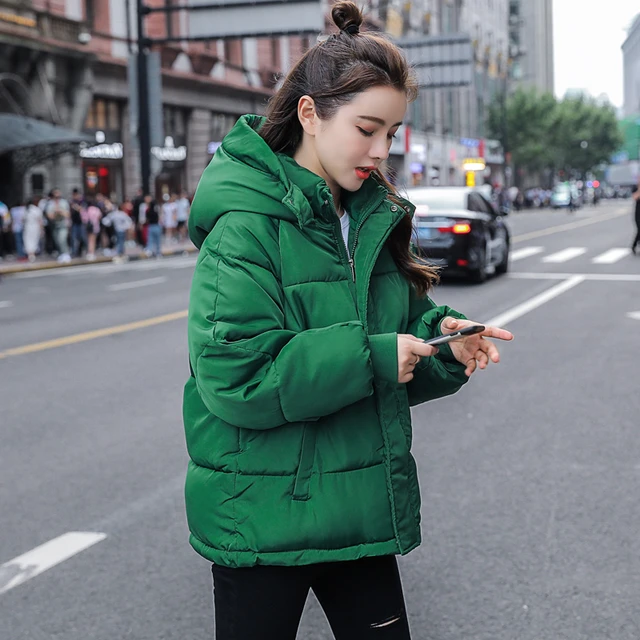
(104, 115)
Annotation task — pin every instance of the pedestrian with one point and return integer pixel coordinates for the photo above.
(306, 325)
(58, 215)
(92, 220)
(183, 205)
(17, 228)
(78, 228)
(32, 231)
(149, 211)
(121, 223)
(5, 227)
(636, 198)
(170, 217)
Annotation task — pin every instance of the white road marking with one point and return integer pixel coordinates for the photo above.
(565, 254)
(47, 555)
(136, 284)
(603, 277)
(612, 255)
(634, 315)
(525, 252)
(529, 305)
(4, 304)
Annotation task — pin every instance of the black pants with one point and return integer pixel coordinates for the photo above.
(636, 240)
(362, 600)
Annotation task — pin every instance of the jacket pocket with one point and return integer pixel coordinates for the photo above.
(305, 466)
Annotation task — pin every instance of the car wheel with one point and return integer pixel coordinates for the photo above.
(479, 275)
(503, 266)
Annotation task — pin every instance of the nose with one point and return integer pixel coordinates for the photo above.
(380, 148)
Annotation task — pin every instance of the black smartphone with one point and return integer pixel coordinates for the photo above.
(456, 335)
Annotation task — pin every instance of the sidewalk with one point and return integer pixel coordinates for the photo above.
(12, 265)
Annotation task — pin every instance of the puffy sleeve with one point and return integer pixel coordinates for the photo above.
(249, 370)
(439, 375)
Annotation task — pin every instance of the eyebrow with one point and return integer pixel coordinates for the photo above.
(379, 121)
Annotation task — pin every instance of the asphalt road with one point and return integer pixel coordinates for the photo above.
(530, 475)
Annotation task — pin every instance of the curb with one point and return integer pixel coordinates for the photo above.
(23, 267)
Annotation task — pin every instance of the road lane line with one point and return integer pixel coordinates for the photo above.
(565, 255)
(529, 305)
(612, 255)
(136, 284)
(602, 277)
(47, 555)
(566, 227)
(92, 335)
(5, 304)
(525, 252)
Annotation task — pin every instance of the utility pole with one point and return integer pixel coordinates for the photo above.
(144, 133)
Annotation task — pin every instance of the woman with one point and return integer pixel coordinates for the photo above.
(92, 219)
(306, 325)
(32, 231)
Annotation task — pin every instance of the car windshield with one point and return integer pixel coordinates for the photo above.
(438, 199)
(561, 189)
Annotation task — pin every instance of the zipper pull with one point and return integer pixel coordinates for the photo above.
(353, 269)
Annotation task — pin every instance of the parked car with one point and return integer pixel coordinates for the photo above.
(458, 229)
(566, 196)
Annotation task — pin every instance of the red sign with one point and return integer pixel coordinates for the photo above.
(407, 139)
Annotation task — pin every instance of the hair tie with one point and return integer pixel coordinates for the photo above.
(352, 29)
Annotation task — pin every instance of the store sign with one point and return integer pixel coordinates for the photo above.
(170, 153)
(473, 164)
(12, 18)
(103, 152)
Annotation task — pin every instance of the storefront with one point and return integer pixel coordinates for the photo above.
(171, 157)
(103, 162)
(221, 124)
(172, 176)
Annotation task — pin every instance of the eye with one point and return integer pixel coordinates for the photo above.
(364, 132)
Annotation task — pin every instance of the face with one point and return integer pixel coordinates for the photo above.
(356, 140)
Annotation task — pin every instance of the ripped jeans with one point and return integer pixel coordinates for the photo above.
(362, 600)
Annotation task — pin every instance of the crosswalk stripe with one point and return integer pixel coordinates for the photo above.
(47, 555)
(565, 255)
(611, 256)
(525, 252)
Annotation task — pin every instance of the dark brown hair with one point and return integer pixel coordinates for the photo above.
(333, 72)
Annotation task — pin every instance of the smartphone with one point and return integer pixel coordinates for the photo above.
(456, 335)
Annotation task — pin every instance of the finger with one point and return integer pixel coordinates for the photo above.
(496, 332)
(424, 350)
(408, 336)
(482, 359)
(449, 324)
(491, 350)
(471, 367)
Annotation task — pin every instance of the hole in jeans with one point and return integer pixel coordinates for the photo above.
(385, 623)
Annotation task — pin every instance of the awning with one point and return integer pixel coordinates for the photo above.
(33, 141)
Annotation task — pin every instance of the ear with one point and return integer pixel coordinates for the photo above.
(307, 115)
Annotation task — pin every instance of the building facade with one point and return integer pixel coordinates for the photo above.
(70, 60)
(448, 126)
(531, 44)
(67, 62)
(631, 70)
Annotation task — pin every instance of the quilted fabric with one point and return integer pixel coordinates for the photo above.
(298, 433)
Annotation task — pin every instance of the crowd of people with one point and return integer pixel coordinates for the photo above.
(82, 225)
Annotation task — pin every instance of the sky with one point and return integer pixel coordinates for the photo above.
(587, 37)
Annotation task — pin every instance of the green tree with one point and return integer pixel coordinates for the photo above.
(523, 126)
(574, 135)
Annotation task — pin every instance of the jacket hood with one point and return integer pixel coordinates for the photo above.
(245, 174)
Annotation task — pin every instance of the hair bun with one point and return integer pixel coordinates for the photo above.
(347, 17)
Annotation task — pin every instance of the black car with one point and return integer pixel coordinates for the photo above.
(458, 229)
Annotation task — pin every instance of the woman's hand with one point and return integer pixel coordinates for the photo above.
(410, 351)
(475, 350)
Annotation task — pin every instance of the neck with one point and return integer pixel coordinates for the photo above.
(306, 157)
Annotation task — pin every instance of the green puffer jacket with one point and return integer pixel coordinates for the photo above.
(297, 429)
